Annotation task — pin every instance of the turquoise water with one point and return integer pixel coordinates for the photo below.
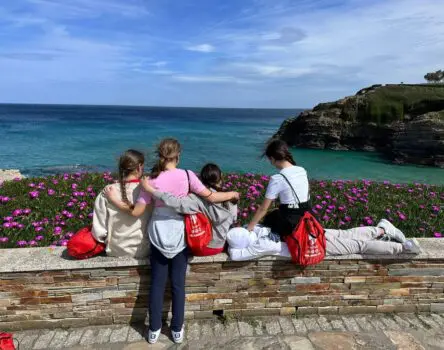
(39, 139)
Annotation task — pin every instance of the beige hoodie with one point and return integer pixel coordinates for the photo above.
(123, 234)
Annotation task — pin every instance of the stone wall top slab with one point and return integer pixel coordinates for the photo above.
(52, 259)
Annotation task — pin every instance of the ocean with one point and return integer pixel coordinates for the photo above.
(47, 139)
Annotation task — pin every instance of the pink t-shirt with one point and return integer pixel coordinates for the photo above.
(174, 181)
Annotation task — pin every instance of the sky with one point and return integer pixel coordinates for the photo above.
(212, 53)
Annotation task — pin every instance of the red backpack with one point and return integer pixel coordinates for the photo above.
(307, 242)
(83, 245)
(6, 341)
(198, 232)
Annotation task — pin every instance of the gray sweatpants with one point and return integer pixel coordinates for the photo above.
(359, 240)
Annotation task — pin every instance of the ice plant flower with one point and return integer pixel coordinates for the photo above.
(34, 194)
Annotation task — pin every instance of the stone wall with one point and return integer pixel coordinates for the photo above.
(39, 288)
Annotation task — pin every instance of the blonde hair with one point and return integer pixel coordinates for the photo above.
(168, 150)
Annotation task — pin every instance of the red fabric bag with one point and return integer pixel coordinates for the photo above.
(6, 341)
(83, 245)
(307, 243)
(198, 232)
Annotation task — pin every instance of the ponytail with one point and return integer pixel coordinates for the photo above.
(278, 150)
(167, 151)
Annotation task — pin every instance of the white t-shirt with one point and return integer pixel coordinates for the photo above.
(278, 187)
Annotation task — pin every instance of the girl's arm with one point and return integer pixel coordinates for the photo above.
(218, 197)
(113, 196)
(185, 205)
(212, 197)
(260, 213)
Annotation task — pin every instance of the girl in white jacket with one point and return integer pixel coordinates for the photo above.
(123, 234)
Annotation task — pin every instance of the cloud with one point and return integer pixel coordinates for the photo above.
(209, 79)
(288, 35)
(201, 48)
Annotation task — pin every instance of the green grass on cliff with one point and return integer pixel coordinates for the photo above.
(390, 103)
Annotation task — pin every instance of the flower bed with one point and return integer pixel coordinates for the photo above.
(47, 211)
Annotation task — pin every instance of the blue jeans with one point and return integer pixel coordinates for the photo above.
(161, 268)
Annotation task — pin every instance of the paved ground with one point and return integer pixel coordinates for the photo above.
(400, 331)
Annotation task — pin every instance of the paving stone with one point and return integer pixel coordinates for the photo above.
(311, 324)
(414, 321)
(207, 330)
(350, 323)
(337, 324)
(390, 323)
(134, 335)
(193, 331)
(403, 323)
(286, 325)
(324, 324)
(103, 336)
(231, 330)
(119, 335)
(43, 340)
(332, 340)
(59, 339)
(273, 327)
(438, 319)
(258, 328)
(299, 326)
(427, 319)
(404, 340)
(298, 343)
(245, 329)
(364, 323)
(89, 337)
(28, 341)
(377, 323)
(74, 337)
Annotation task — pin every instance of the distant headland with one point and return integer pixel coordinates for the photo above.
(405, 122)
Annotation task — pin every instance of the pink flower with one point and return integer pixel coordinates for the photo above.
(38, 229)
(8, 218)
(51, 192)
(74, 186)
(32, 243)
(27, 211)
(38, 238)
(4, 239)
(22, 243)
(7, 225)
(17, 212)
(34, 194)
(437, 234)
(57, 230)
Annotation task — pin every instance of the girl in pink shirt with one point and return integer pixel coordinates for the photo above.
(167, 234)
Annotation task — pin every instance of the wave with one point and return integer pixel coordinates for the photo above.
(63, 169)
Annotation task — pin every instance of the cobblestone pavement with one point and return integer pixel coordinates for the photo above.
(397, 331)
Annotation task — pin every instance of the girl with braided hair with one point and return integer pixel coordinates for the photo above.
(166, 231)
(124, 235)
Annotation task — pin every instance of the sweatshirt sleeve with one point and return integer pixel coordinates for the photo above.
(100, 218)
(184, 205)
(257, 249)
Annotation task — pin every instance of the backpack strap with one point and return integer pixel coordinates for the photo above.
(294, 192)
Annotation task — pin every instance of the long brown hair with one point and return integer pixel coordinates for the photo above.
(128, 163)
(211, 177)
(278, 150)
(168, 150)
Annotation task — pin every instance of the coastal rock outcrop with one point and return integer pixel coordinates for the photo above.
(404, 122)
(10, 174)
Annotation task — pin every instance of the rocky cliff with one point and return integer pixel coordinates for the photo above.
(404, 122)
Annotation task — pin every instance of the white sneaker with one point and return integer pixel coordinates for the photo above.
(391, 232)
(153, 336)
(178, 336)
(411, 246)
